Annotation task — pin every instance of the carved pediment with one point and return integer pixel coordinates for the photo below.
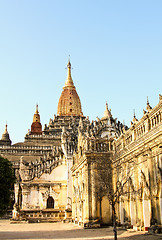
(50, 192)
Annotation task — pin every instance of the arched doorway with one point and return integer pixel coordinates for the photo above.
(50, 202)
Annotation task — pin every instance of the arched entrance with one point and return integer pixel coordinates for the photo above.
(50, 202)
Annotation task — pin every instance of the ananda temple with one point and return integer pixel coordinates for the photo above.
(73, 169)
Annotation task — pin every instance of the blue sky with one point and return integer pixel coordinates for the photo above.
(115, 49)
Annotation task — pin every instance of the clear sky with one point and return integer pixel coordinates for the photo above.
(115, 49)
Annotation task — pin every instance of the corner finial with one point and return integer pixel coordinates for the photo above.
(134, 116)
(107, 112)
(148, 107)
(106, 105)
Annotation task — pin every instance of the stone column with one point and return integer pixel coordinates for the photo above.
(86, 205)
(25, 198)
(80, 181)
(147, 124)
(76, 198)
(146, 211)
(16, 192)
(152, 184)
(42, 202)
(132, 212)
(15, 211)
(93, 191)
(160, 194)
(69, 183)
(73, 197)
(160, 199)
(121, 212)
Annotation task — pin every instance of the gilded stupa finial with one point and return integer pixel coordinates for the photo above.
(36, 117)
(69, 81)
(36, 109)
(69, 63)
(36, 127)
(6, 128)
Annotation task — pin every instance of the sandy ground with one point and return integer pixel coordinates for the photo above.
(69, 231)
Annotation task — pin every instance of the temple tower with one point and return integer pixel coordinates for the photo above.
(36, 127)
(5, 140)
(69, 103)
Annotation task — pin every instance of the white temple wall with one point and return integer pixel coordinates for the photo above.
(54, 184)
(62, 198)
(34, 198)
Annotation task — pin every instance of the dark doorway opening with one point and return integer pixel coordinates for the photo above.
(50, 202)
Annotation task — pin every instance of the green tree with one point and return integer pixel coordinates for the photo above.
(7, 180)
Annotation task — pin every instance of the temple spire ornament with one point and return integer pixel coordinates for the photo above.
(36, 127)
(36, 109)
(134, 116)
(69, 103)
(69, 81)
(5, 140)
(107, 113)
(36, 117)
(6, 131)
(148, 107)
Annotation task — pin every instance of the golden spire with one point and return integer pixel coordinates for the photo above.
(69, 102)
(36, 127)
(69, 81)
(36, 109)
(36, 117)
(5, 128)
